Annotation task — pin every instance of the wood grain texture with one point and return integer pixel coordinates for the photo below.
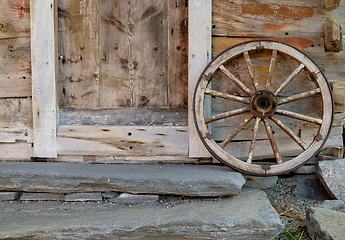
(16, 120)
(122, 141)
(130, 159)
(79, 54)
(125, 117)
(199, 40)
(15, 68)
(178, 54)
(14, 19)
(16, 152)
(44, 76)
(133, 42)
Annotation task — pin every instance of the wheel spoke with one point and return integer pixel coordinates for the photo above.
(226, 115)
(271, 69)
(252, 144)
(237, 130)
(235, 80)
(299, 116)
(299, 96)
(251, 70)
(289, 132)
(227, 96)
(272, 141)
(289, 79)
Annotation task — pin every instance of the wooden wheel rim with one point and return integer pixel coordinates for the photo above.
(247, 167)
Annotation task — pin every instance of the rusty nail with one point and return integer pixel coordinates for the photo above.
(116, 47)
(82, 47)
(260, 48)
(193, 55)
(266, 167)
(161, 74)
(26, 134)
(178, 48)
(95, 74)
(318, 137)
(313, 76)
(155, 48)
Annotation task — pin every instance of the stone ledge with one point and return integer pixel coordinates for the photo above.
(248, 215)
(185, 180)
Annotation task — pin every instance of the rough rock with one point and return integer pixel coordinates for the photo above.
(126, 198)
(324, 224)
(310, 187)
(245, 216)
(332, 175)
(306, 169)
(335, 205)
(42, 197)
(186, 180)
(8, 196)
(83, 197)
(109, 195)
(260, 182)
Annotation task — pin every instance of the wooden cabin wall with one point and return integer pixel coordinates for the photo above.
(299, 23)
(15, 81)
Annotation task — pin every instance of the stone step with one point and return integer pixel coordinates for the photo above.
(248, 215)
(185, 180)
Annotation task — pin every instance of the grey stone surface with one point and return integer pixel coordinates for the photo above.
(324, 224)
(126, 198)
(186, 180)
(245, 216)
(9, 196)
(335, 205)
(83, 197)
(108, 195)
(310, 187)
(42, 196)
(306, 169)
(332, 175)
(260, 182)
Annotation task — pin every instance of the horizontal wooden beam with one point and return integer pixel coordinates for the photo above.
(122, 141)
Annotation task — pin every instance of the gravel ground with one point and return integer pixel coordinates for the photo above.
(291, 197)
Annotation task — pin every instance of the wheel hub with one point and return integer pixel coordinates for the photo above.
(263, 103)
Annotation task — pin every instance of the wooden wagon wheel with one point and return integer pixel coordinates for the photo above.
(261, 102)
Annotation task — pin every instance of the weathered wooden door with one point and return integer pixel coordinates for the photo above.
(123, 82)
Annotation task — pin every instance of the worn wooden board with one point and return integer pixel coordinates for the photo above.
(15, 68)
(125, 117)
(130, 159)
(199, 39)
(122, 141)
(178, 54)
(14, 19)
(44, 76)
(79, 54)
(134, 75)
(16, 151)
(299, 23)
(16, 120)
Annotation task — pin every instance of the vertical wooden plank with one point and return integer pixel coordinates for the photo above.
(200, 25)
(79, 59)
(134, 54)
(44, 76)
(178, 54)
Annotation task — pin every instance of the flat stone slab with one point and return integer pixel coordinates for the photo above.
(332, 175)
(126, 198)
(245, 216)
(185, 180)
(324, 224)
